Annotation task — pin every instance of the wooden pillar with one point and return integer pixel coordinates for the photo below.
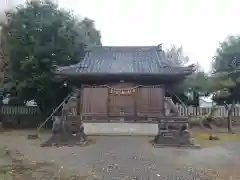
(162, 107)
(163, 89)
(140, 102)
(135, 96)
(108, 102)
(83, 137)
(79, 101)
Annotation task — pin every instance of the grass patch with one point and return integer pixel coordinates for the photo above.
(202, 139)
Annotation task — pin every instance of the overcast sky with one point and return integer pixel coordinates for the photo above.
(197, 25)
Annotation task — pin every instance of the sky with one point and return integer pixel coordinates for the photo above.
(196, 25)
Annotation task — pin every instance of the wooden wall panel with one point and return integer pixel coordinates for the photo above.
(86, 108)
(150, 101)
(142, 101)
(156, 105)
(146, 101)
(123, 103)
(94, 101)
(98, 100)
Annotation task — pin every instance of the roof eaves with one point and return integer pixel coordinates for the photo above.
(83, 64)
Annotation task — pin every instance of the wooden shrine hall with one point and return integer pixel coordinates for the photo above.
(124, 83)
(128, 82)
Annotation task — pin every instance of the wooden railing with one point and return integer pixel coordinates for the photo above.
(220, 112)
(26, 110)
(187, 111)
(19, 110)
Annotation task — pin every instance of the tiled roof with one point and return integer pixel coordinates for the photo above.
(124, 59)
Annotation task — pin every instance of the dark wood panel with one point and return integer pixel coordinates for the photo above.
(98, 100)
(145, 102)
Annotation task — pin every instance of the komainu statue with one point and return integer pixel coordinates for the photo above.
(173, 129)
(57, 125)
(68, 128)
(170, 108)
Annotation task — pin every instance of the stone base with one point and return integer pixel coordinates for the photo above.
(174, 138)
(1, 127)
(66, 140)
(195, 146)
(32, 136)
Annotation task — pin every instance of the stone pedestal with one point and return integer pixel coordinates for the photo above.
(174, 132)
(1, 127)
(67, 131)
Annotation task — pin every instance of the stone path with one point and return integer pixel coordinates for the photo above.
(127, 157)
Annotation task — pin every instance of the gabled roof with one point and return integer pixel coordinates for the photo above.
(125, 60)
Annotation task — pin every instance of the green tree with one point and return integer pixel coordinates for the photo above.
(225, 82)
(188, 92)
(176, 56)
(40, 37)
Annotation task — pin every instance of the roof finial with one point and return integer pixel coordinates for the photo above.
(159, 47)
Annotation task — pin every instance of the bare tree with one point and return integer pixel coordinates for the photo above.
(176, 55)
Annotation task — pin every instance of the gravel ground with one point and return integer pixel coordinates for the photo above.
(126, 157)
